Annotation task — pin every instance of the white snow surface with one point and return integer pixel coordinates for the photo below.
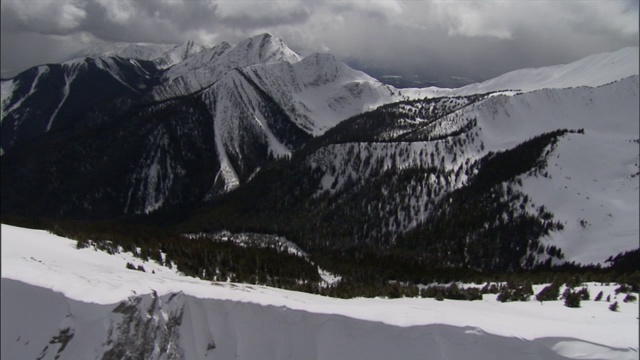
(593, 70)
(246, 317)
(6, 92)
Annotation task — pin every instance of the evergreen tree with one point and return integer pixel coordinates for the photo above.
(549, 292)
(584, 294)
(572, 299)
(599, 296)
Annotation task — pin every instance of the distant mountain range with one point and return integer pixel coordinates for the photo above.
(537, 165)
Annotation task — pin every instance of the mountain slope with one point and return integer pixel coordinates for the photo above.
(178, 152)
(253, 119)
(376, 179)
(51, 97)
(165, 154)
(388, 174)
(318, 92)
(594, 70)
(198, 72)
(250, 128)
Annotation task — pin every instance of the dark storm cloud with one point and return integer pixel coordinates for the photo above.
(247, 22)
(477, 40)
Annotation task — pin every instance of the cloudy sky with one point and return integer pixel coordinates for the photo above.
(445, 39)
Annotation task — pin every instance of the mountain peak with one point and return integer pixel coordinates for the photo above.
(265, 48)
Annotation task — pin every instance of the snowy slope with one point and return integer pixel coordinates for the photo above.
(35, 101)
(249, 128)
(594, 70)
(319, 91)
(58, 301)
(592, 184)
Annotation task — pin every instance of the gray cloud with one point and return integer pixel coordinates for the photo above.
(476, 40)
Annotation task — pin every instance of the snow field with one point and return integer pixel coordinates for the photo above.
(355, 328)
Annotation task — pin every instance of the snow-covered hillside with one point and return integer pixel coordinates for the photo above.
(594, 70)
(590, 182)
(60, 302)
(319, 91)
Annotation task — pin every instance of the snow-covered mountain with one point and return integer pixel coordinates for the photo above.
(163, 55)
(54, 97)
(319, 91)
(141, 51)
(210, 123)
(589, 180)
(532, 169)
(64, 303)
(259, 73)
(594, 70)
(208, 67)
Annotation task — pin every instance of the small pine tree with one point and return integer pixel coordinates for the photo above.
(394, 291)
(608, 298)
(574, 281)
(130, 266)
(549, 292)
(622, 289)
(572, 299)
(614, 306)
(599, 296)
(584, 294)
(629, 298)
(82, 244)
(515, 292)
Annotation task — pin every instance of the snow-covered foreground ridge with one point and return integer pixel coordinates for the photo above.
(60, 302)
